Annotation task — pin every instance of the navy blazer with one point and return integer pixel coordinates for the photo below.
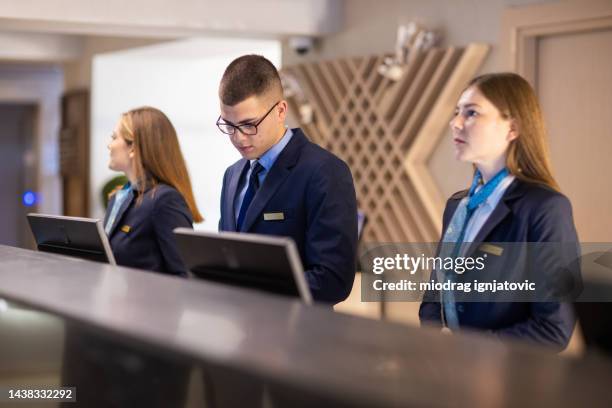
(142, 237)
(526, 213)
(314, 191)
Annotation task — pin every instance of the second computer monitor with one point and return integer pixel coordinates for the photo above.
(261, 262)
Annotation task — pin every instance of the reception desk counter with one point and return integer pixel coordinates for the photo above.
(125, 337)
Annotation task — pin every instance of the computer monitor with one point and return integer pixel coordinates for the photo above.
(261, 262)
(74, 236)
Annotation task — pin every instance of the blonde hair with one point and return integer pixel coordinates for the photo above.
(528, 158)
(157, 154)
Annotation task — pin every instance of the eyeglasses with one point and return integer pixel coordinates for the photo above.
(248, 129)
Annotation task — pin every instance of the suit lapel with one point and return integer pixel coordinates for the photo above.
(450, 211)
(278, 173)
(232, 189)
(109, 207)
(499, 213)
(124, 206)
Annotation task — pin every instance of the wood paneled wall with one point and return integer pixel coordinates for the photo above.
(386, 131)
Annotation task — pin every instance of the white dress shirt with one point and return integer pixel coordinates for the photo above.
(483, 212)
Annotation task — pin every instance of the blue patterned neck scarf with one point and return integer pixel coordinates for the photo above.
(455, 233)
(120, 197)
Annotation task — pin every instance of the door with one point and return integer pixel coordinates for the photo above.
(574, 84)
(565, 50)
(16, 156)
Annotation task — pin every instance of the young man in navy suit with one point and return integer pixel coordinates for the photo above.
(284, 184)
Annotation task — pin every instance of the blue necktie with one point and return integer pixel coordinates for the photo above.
(250, 193)
(475, 198)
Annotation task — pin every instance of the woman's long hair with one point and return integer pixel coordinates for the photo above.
(528, 158)
(157, 154)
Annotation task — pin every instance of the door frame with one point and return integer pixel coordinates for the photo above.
(521, 29)
(523, 26)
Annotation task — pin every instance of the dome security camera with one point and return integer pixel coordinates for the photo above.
(301, 45)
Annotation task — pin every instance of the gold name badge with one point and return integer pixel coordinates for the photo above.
(126, 228)
(492, 249)
(277, 216)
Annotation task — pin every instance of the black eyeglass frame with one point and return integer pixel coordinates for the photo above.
(239, 127)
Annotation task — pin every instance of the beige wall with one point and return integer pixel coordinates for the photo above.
(77, 73)
(370, 26)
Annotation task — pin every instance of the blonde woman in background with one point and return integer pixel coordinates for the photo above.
(158, 197)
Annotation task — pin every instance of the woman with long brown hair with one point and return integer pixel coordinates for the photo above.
(498, 127)
(158, 197)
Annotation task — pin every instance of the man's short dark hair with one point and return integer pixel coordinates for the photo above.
(246, 76)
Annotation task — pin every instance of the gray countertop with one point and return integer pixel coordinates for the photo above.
(309, 348)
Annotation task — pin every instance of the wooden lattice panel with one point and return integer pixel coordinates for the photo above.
(386, 131)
